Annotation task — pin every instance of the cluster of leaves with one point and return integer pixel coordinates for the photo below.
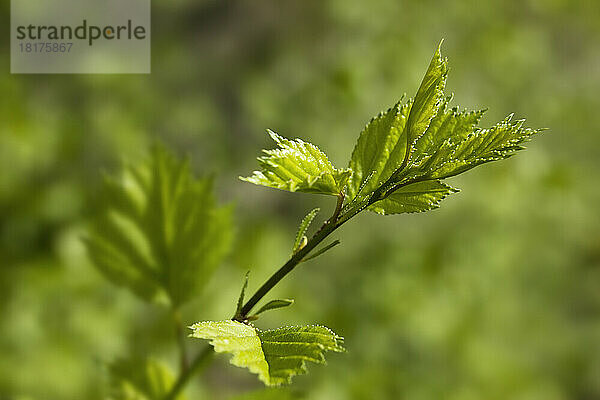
(398, 166)
(161, 233)
(401, 156)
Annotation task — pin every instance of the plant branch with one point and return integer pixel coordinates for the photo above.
(326, 229)
(185, 375)
(338, 207)
(187, 371)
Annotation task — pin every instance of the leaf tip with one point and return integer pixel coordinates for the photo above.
(276, 137)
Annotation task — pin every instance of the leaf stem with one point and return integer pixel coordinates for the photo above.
(196, 364)
(326, 229)
(321, 251)
(338, 207)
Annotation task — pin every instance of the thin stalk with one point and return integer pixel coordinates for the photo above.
(196, 364)
(326, 229)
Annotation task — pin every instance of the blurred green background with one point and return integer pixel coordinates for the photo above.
(494, 296)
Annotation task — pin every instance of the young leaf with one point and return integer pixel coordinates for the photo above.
(463, 151)
(416, 197)
(379, 151)
(160, 231)
(446, 124)
(275, 355)
(298, 166)
(274, 304)
(304, 225)
(402, 154)
(287, 349)
(140, 379)
(427, 101)
(322, 250)
(240, 302)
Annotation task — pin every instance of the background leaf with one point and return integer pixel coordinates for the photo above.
(140, 379)
(275, 355)
(160, 232)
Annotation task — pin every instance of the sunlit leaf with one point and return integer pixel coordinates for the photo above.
(448, 123)
(298, 166)
(379, 151)
(402, 154)
(427, 101)
(274, 355)
(463, 151)
(304, 225)
(416, 197)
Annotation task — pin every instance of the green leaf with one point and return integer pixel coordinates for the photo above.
(287, 349)
(160, 232)
(416, 197)
(304, 225)
(379, 151)
(322, 250)
(298, 166)
(140, 379)
(275, 355)
(402, 154)
(427, 101)
(469, 147)
(448, 123)
(238, 339)
(384, 146)
(240, 302)
(274, 304)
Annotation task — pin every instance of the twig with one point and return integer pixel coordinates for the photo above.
(196, 364)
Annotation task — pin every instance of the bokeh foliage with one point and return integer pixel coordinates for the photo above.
(496, 295)
(160, 232)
